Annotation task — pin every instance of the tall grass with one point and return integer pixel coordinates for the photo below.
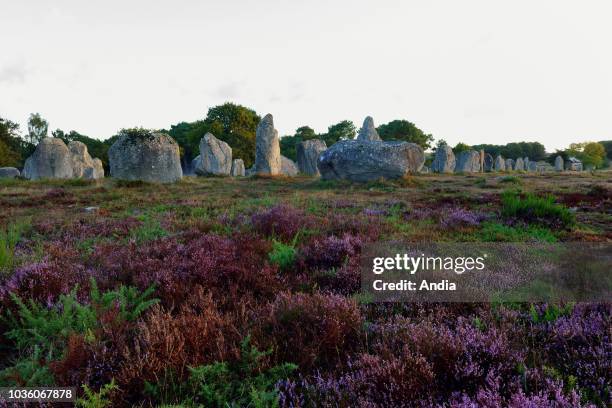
(9, 237)
(537, 210)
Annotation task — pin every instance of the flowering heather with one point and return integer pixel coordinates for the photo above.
(330, 252)
(281, 221)
(460, 217)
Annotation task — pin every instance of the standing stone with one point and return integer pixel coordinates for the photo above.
(559, 163)
(509, 164)
(489, 163)
(526, 162)
(482, 160)
(150, 157)
(500, 164)
(267, 148)
(288, 167)
(308, 153)
(9, 172)
(366, 161)
(468, 162)
(368, 131)
(215, 157)
(83, 165)
(250, 171)
(444, 160)
(519, 165)
(51, 159)
(238, 168)
(533, 166)
(196, 163)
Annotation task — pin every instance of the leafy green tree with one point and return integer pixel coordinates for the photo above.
(607, 144)
(590, 153)
(460, 147)
(37, 128)
(13, 148)
(344, 130)
(405, 131)
(288, 144)
(305, 133)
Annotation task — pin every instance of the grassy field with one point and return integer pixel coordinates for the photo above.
(217, 291)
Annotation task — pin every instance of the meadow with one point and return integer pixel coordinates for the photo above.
(223, 292)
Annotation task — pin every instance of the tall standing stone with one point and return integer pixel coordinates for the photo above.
(559, 163)
(215, 157)
(500, 164)
(519, 165)
(308, 153)
(51, 159)
(533, 166)
(150, 157)
(526, 162)
(267, 148)
(468, 162)
(489, 163)
(482, 160)
(238, 168)
(444, 160)
(368, 131)
(509, 164)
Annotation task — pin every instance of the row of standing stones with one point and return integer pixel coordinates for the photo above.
(155, 157)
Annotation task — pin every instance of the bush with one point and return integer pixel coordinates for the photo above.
(495, 232)
(537, 210)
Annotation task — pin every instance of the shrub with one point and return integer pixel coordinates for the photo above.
(8, 241)
(496, 232)
(281, 221)
(330, 252)
(325, 328)
(282, 255)
(538, 210)
(460, 217)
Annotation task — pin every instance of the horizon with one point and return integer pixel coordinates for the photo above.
(473, 72)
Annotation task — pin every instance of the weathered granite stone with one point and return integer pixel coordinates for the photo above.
(308, 153)
(500, 164)
(489, 163)
(267, 148)
(368, 131)
(215, 157)
(9, 172)
(519, 165)
(288, 167)
(250, 171)
(559, 163)
(526, 163)
(533, 166)
(509, 164)
(237, 168)
(153, 157)
(468, 162)
(196, 163)
(444, 160)
(365, 161)
(51, 159)
(83, 165)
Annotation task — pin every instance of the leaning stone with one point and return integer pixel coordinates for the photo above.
(238, 168)
(288, 167)
(468, 162)
(308, 153)
(366, 161)
(267, 148)
(368, 131)
(51, 159)
(444, 160)
(9, 172)
(153, 157)
(215, 157)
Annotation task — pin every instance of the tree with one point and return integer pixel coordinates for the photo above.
(461, 147)
(305, 133)
(590, 153)
(405, 131)
(344, 130)
(288, 144)
(13, 149)
(607, 144)
(37, 128)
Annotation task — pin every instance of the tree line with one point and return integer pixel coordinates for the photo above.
(236, 125)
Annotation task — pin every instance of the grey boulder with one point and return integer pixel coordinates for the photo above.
(509, 164)
(83, 165)
(51, 159)
(559, 163)
(468, 162)
(368, 131)
(237, 168)
(308, 153)
(267, 148)
(215, 157)
(444, 160)
(9, 172)
(288, 167)
(365, 161)
(533, 166)
(152, 157)
(519, 165)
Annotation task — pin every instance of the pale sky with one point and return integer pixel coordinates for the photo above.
(481, 71)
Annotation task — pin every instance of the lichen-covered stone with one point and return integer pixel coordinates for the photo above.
(308, 153)
(267, 148)
(368, 131)
(51, 159)
(9, 172)
(288, 167)
(237, 168)
(444, 160)
(215, 157)
(468, 162)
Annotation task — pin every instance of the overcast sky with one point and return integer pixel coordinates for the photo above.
(473, 71)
